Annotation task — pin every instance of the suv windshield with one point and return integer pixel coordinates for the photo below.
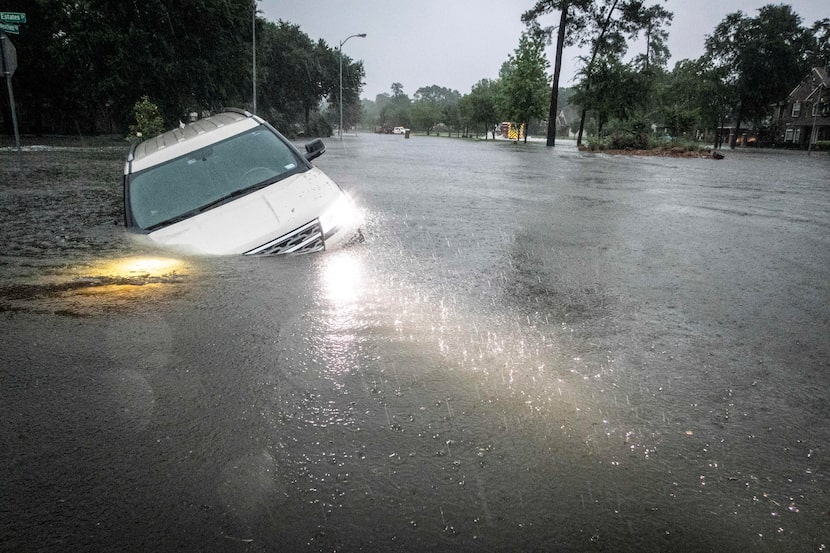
(184, 186)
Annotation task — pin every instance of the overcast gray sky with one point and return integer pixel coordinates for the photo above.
(456, 43)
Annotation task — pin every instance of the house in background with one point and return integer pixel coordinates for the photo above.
(804, 117)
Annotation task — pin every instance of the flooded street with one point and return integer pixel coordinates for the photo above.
(533, 350)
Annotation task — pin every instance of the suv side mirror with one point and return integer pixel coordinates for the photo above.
(314, 149)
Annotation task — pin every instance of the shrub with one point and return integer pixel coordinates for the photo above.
(621, 140)
(685, 143)
(823, 145)
(629, 134)
(594, 143)
(148, 121)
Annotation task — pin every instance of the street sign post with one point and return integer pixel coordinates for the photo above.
(8, 56)
(8, 63)
(9, 22)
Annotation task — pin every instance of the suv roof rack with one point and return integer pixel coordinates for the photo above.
(186, 133)
(240, 111)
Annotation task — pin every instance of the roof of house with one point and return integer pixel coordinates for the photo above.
(818, 77)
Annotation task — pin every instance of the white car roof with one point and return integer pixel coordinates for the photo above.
(191, 137)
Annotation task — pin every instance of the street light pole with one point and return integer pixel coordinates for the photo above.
(340, 50)
(253, 68)
(814, 130)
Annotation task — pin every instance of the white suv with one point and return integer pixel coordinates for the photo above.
(232, 184)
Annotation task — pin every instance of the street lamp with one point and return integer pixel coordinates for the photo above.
(340, 50)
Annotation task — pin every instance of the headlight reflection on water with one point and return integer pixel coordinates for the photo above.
(141, 268)
(114, 282)
(129, 278)
(87, 288)
(342, 278)
(499, 359)
(342, 282)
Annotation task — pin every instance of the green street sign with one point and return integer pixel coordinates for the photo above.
(12, 17)
(10, 28)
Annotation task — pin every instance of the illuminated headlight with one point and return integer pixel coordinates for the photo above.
(342, 214)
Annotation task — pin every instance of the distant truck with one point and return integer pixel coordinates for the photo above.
(512, 131)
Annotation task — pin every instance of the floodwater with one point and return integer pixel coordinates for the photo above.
(533, 350)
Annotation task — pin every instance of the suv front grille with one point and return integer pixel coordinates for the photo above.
(306, 239)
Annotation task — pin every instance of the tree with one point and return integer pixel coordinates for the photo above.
(91, 60)
(603, 24)
(652, 21)
(589, 16)
(763, 57)
(695, 96)
(353, 75)
(479, 107)
(818, 54)
(425, 115)
(572, 22)
(433, 105)
(603, 42)
(525, 85)
(148, 121)
(369, 113)
(451, 116)
(43, 70)
(618, 91)
(396, 112)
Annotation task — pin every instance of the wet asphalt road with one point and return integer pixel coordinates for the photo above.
(533, 350)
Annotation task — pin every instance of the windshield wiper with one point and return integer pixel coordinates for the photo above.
(173, 220)
(232, 195)
(188, 214)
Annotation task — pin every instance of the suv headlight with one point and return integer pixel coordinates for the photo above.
(342, 213)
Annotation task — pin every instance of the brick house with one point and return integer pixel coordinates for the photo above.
(804, 117)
